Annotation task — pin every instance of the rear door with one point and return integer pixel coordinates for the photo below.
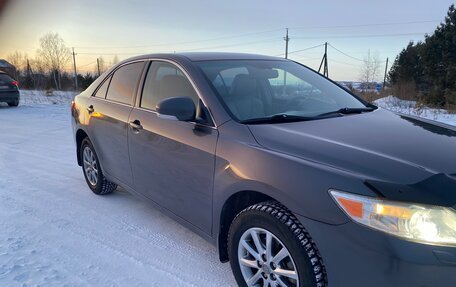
(173, 161)
(109, 110)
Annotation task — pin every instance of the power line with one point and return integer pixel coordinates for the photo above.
(306, 59)
(257, 33)
(302, 50)
(343, 53)
(232, 45)
(348, 55)
(110, 54)
(344, 63)
(240, 44)
(363, 36)
(85, 65)
(187, 50)
(248, 43)
(269, 31)
(365, 25)
(186, 42)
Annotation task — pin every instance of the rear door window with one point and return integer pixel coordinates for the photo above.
(101, 93)
(124, 82)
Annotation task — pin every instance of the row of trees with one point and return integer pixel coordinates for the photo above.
(429, 67)
(52, 67)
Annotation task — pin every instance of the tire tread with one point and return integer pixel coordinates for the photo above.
(281, 213)
(106, 186)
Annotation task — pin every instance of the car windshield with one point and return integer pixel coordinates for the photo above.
(276, 89)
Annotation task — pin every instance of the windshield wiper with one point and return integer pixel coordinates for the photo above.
(347, 111)
(286, 118)
(279, 118)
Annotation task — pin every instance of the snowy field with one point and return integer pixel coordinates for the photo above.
(40, 97)
(410, 108)
(55, 232)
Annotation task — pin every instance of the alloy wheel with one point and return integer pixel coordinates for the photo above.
(265, 261)
(90, 166)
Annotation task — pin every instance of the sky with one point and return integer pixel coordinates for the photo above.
(128, 28)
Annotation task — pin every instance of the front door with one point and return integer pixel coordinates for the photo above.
(172, 161)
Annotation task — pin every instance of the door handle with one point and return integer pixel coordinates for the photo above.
(136, 125)
(90, 109)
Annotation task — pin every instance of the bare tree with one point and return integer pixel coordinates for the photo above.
(38, 70)
(370, 70)
(54, 54)
(115, 60)
(19, 61)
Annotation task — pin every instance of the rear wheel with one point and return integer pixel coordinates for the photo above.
(14, 103)
(92, 170)
(269, 247)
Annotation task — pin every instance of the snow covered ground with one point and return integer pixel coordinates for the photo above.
(39, 97)
(55, 232)
(410, 108)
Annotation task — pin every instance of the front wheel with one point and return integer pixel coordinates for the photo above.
(269, 247)
(92, 170)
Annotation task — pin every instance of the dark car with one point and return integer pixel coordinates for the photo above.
(297, 181)
(9, 91)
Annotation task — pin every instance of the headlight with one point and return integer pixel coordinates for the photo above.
(425, 224)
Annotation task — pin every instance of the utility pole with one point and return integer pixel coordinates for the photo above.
(98, 66)
(28, 68)
(287, 39)
(75, 72)
(326, 72)
(324, 62)
(386, 70)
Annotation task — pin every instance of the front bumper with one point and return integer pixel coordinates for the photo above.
(355, 255)
(9, 96)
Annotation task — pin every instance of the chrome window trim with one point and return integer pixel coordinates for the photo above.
(114, 102)
(110, 74)
(189, 78)
(143, 78)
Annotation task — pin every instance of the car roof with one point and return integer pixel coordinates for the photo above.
(207, 56)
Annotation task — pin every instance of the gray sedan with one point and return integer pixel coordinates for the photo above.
(297, 181)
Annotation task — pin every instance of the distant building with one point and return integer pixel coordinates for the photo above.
(6, 67)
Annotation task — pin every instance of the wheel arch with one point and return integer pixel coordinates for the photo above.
(80, 136)
(231, 207)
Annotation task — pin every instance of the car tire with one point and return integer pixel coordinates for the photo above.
(302, 265)
(92, 170)
(14, 104)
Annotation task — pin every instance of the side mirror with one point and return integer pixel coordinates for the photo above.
(180, 108)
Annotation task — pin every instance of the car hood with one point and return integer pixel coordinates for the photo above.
(379, 146)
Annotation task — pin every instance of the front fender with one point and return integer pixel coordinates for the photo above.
(301, 185)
